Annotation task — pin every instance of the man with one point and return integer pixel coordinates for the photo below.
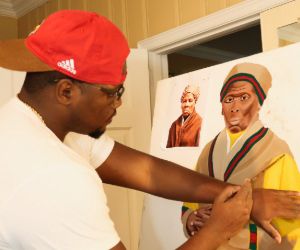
(235, 152)
(51, 196)
(185, 130)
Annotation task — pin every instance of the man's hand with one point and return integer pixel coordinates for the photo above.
(197, 218)
(231, 210)
(269, 204)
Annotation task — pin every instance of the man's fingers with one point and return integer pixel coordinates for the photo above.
(288, 212)
(227, 193)
(287, 193)
(289, 206)
(246, 191)
(268, 227)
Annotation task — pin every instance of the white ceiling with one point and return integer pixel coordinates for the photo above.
(18, 8)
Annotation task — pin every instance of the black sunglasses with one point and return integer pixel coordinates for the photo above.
(116, 92)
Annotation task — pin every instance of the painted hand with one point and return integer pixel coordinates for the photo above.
(197, 219)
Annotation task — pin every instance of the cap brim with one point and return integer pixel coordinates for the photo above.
(14, 55)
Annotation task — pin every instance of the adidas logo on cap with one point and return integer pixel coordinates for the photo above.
(68, 65)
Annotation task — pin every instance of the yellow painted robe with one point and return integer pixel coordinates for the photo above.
(279, 172)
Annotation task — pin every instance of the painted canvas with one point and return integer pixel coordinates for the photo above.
(249, 129)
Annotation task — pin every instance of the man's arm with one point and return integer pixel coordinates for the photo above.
(133, 169)
(119, 246)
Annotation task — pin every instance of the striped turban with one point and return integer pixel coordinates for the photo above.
(257, 75)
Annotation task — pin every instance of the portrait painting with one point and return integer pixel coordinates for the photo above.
(185, 130)
(250, 129)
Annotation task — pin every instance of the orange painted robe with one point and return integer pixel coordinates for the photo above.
(185, 133)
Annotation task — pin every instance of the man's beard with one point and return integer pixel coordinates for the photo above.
(96, 133)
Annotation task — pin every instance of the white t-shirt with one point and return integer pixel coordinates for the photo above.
(50, 196)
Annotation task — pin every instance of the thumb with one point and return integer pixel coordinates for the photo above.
(227, 193)
(270, 230)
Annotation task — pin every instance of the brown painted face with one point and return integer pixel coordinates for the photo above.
(187, 104)
(240, 107)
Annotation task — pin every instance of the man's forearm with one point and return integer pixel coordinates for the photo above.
(133, 169)
(172, 181)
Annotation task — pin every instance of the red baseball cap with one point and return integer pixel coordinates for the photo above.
(80, 44)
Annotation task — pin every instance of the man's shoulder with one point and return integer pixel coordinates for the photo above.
(95, 151)
(7, 109)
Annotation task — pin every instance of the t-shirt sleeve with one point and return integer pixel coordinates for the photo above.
(101, 149)
(95, 151)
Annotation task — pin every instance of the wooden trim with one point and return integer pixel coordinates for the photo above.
(18, 8)
(236, 17)
(208, 27)
(145, 18)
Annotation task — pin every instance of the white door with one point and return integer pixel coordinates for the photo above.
(10, 84)
(131, 127)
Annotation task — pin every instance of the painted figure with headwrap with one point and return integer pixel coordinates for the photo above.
(185, 130)
(245, 148)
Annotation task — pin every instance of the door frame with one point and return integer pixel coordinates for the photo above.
(220, 23)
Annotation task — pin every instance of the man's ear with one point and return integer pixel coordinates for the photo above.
(66, 91)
